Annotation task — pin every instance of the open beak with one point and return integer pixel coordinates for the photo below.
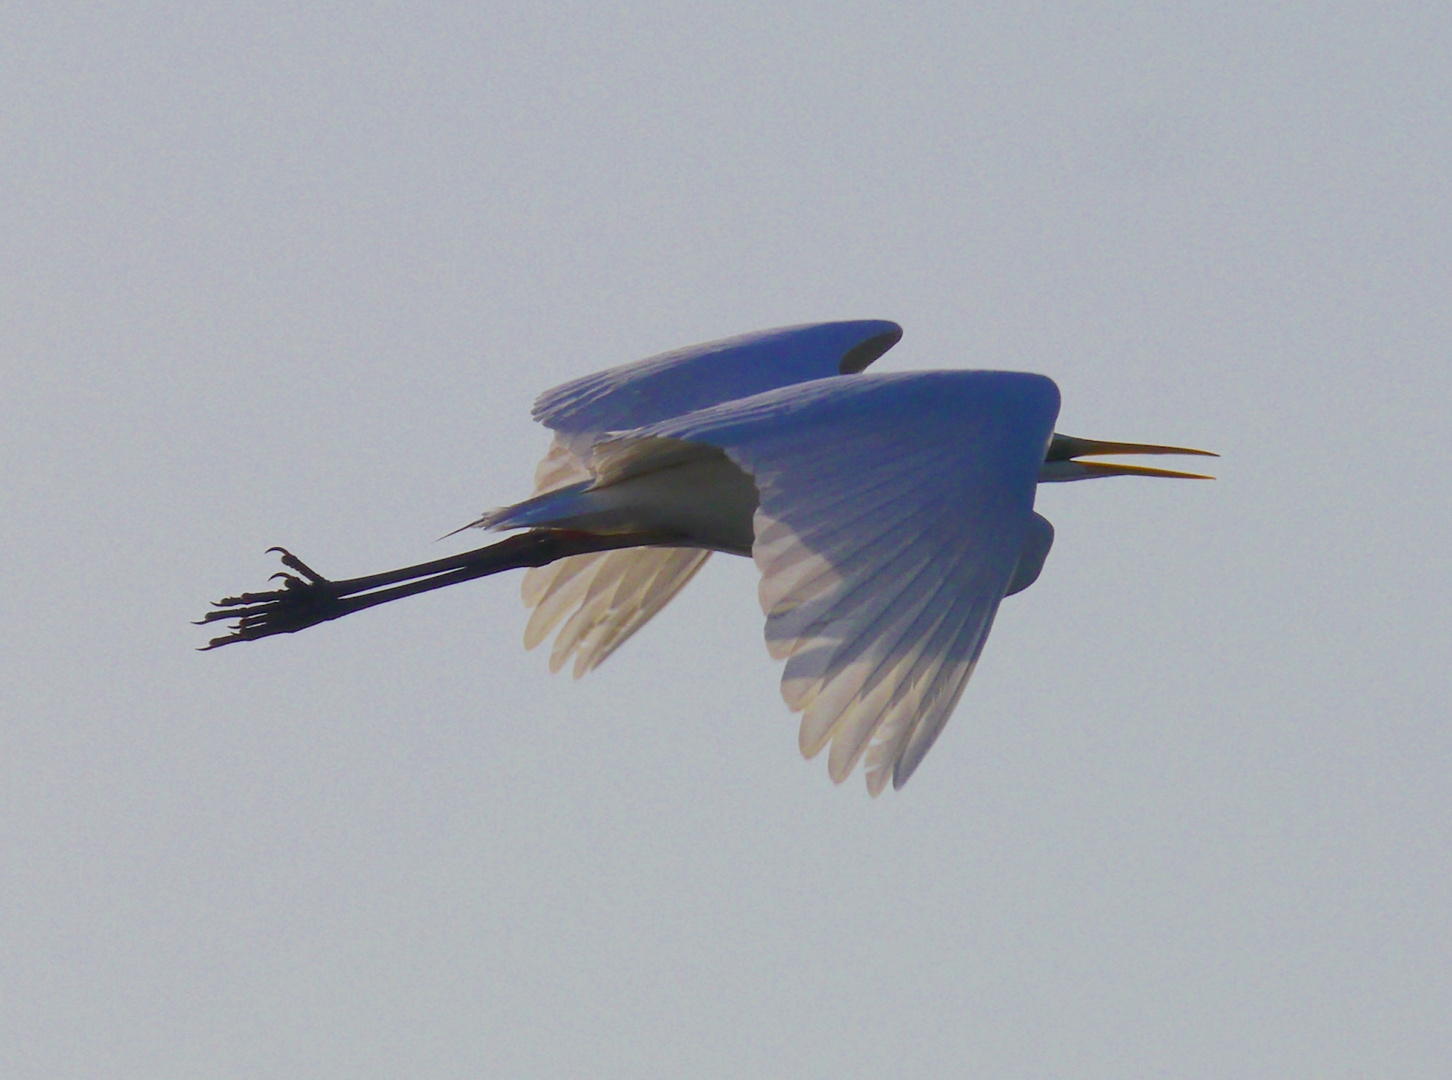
(1061, 462)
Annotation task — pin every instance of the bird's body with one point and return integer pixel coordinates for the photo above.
(889, 516)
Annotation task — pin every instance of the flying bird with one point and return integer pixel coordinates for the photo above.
(888, 514)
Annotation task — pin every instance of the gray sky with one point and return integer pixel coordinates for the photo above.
(293, 274)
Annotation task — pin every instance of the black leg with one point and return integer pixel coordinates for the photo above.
(309, 599)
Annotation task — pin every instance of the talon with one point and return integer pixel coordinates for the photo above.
(299, 603)
(292, 562)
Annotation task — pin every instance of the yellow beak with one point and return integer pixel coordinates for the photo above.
(1060, 462)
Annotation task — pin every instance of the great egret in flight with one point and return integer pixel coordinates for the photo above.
(888, 514)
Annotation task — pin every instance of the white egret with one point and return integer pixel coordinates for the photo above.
(888, 515)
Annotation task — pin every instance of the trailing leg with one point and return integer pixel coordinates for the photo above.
(306, 598)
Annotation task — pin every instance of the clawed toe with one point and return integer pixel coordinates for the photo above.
(300, 602)
(292, 562)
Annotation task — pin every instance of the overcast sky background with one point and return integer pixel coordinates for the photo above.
(293, 274)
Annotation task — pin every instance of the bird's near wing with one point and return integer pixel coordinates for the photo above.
(602, 599)
(895, 510)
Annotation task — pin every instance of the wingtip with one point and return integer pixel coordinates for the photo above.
(857, 358)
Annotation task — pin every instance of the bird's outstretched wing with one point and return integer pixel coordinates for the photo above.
(603, 599)
(675, 383)
(894, 513)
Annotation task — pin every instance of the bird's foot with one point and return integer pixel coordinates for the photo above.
(300, 602)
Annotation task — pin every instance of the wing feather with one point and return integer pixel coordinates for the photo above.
(604, 598)
(881, 542)
(625, 591)
(785, 560)
(553, 591)
(894, 512)
(559, 468)
(599, 601)
(684, 380)
(887, 658)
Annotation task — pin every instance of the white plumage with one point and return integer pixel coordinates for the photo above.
(884, 547)
(889, 516)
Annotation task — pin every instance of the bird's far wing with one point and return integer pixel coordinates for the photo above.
(675, 383)
(603, 599)
(894, 512)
